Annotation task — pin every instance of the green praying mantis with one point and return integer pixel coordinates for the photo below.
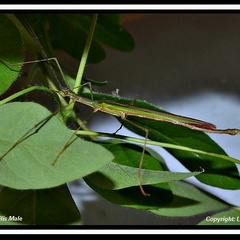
(123, 111)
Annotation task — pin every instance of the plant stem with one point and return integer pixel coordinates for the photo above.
(82, 64)
(160, 144)
(85, 55)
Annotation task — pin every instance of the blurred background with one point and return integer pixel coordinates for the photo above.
(185, 63)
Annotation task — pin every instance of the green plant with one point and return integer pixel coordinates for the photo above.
(32, 138)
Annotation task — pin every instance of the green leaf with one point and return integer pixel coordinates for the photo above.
(218, 172)
(23, 27)
(115, 176)
(28, 165)
(118, 181)
(130, 154)
(11, 51)
(132, 196)
(223, 218)
(123, 172)
(38, 207)
(70, 82)
(126, 161)
(110, 32)
(76, 27)
(189, 201)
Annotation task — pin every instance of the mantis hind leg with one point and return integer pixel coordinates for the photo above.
(142, 155)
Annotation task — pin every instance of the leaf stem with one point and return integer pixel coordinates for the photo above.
(160, 144)
(27, 90)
